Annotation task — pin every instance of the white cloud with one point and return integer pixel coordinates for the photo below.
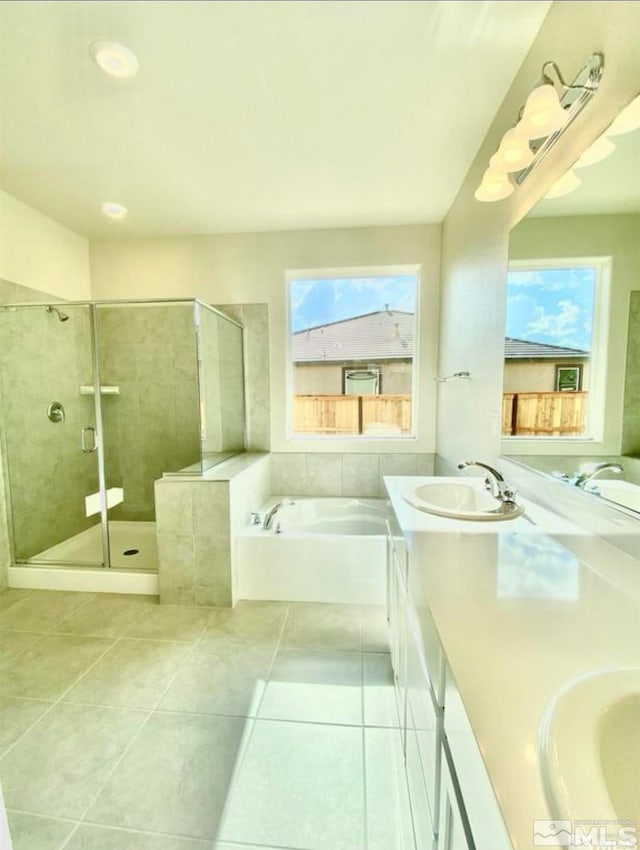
(300, 292)
(561, 326)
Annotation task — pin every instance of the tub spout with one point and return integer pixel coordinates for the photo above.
(270, 515)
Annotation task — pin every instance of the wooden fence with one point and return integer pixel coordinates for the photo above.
(557, 414)
(352, 414)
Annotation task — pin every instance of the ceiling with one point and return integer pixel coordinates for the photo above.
(252, 115)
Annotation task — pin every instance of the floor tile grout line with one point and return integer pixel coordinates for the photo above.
(39, 815)
(201, 638)
(57, 701)
(365, 817)
(210, 844)
(239, 763)
(273, 660)
(130, 744)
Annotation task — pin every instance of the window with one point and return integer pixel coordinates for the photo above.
(352, 339)
(568, 378)
(554, 349)
(361, 381)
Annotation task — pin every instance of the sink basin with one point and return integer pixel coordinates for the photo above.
(461, 500)
(621, 492)
(590, 749)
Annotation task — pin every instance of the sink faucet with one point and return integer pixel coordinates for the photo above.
(581, 479)
(270, 515)
(494, 482)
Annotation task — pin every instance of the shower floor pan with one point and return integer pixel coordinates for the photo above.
(136, 538)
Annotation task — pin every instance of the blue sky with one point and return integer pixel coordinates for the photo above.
(554, 306)
(318, 302)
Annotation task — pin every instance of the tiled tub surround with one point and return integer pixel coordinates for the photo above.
(188, 728)
(198, 521)
(342, 474)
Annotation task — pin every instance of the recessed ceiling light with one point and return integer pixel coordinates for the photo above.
(113, 210)
(115, 59)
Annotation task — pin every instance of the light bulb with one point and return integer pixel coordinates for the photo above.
(114, 59)
(514, 152)
(495, 186)
(596, 152)
(569, 182)
(627, 120)
(542, 114)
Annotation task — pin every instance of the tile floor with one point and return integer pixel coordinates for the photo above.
(126, 725)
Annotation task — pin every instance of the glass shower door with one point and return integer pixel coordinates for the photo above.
(52, 440)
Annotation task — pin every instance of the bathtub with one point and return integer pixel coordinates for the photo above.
(328, 550)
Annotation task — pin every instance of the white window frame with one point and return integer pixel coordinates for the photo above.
(352, 272)
(598, 358)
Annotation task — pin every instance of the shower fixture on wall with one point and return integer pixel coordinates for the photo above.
(62, 317)
(550, 109)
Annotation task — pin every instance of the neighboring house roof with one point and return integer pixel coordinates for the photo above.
(388, 335)
(522, 349)
(383, 335)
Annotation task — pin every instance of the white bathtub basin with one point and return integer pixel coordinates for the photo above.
(327, 550)
(590, 749)
(460, 500)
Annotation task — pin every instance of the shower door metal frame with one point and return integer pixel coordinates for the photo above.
(99, 437)
(94, 351)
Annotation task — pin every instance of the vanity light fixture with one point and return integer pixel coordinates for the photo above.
(599, 150)
(569, 182)
(494, 187)
(550, 108)
(627, 120)
(114, 59)
(113, 210)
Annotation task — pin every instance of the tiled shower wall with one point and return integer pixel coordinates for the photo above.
(10, 293)
(631, 411)
(153, 425)
(255, 318)
(45, 360)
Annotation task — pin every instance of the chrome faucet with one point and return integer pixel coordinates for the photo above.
(581, 479)
(494, 482)
(267, 522)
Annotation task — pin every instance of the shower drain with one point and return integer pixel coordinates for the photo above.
(131, 552)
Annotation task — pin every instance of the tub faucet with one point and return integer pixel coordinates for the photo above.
(269, 516)
(581, 479)
(494, 482)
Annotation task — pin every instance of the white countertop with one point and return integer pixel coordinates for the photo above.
(519, 616)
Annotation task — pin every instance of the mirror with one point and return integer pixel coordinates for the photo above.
(571, 395)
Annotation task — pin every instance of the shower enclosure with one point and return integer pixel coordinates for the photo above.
(100, 399)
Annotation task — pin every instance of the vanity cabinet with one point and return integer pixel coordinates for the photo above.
(397, 595)
(454, 827)
(423, 735)
(452, 802)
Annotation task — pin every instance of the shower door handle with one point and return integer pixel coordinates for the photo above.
(91, 447)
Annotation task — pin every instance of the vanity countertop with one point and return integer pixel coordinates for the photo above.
(522, 608)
